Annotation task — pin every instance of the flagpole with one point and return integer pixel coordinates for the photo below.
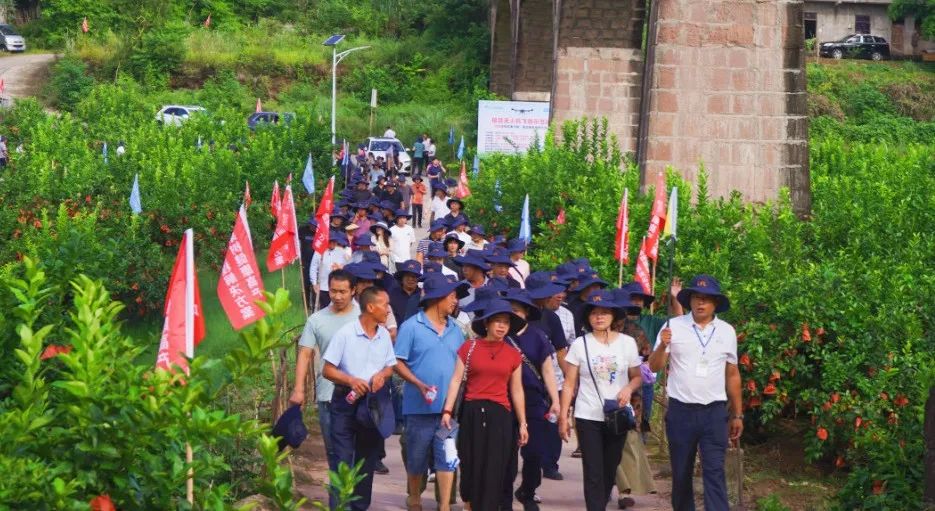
(652, 286)
(672, 240)
(190, 482)
(302, 286)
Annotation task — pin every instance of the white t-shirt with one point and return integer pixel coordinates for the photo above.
(431, 150)
(440, 207)
(697, 374)
(401, 242)
(389, 133)
(609, 363)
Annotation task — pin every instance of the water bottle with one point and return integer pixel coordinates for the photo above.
(451, 453)
(551, 417)
(351, 397)
(431, 394)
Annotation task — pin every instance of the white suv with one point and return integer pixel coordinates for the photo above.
(10, 40)
(379, 146)
(175, 115)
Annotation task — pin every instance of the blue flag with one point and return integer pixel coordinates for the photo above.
(496, 196)
(461, 149)
(135, 206)
(104, 152)
(475, 169)
(198, 144)
(451, 136)
(525, 233)
(308, 178)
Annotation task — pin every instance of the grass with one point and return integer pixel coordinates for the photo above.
(220, 337)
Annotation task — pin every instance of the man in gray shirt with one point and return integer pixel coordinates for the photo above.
(319, 330)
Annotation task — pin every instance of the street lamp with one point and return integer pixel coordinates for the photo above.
(336, 58)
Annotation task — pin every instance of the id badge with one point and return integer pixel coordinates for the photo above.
(701, 370)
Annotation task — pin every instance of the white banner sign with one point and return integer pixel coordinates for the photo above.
(510, 126)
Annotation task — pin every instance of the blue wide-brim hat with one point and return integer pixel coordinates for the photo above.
(457, 221)
(566, 273)
(588, 279)
(600, 298)
(494, 307)
(624, 299)
(436, 285)
(482, 296)
(436, 249)
(516, 245)
(388, 205)
(361, 271)
(704, 285)
(377, 411)
(543, 284)
(381, 224)
(499, 255)
(438, 225)
(429, 268)
(519, 295)
(402, 212)
(364, 239)
(454, 199)
(290, 428)
(473, 258)
(478, 230)
(635, 289)
(338, 237)
(453, 237)
(411, 266)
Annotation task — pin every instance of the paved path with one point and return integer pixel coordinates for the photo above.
(21, 73)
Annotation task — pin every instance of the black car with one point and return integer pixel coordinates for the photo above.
(856, 46)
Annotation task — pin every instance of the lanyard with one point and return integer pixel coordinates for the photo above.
(704, 344)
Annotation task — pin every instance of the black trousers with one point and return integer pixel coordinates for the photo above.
(485, 442)
(417, 215)
(536, 453)
(600, 454)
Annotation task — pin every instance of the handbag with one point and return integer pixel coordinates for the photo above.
(617, 419)
(456, 409)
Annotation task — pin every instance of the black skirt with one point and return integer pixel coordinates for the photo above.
(486, 440)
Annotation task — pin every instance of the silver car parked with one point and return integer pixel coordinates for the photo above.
(10, 39)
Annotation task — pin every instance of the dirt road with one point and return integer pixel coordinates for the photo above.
(22, 74)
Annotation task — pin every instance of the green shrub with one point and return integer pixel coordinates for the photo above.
(69, 83)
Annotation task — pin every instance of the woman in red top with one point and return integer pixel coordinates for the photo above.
(486, 435)
(417, 194)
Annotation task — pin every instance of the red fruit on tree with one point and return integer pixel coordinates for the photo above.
(102, 503)
(769, 390)
(827, 406)
(806, 334)
(755, 402)
(839, 462)
(822, 434)
(878, 486)
(820, 331)
(745, 362)
(751, 385)
(884, 396)
(835, 397)
(857, 422)
(901, 400)
(774, 376)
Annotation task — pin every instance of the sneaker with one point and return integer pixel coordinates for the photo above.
(529, 502)
(431, 478)
(537, 498)
(576, 453)
(554, 475)
(381, 469)
(625, 502)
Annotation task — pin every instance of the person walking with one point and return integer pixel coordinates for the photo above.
(417, 191)
(493, 393)
(317, 334)
(403, 238)
(426, 350)
(703, 385)
(605, 367)
(381, 236)
(418, 154)
(359, 360)
(542, 404)
(322, 265)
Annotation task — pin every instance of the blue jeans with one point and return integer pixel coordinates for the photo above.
(691, 428)
(324, 421)
(424, 448)
(354, 442)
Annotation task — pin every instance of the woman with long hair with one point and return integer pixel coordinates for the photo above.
(605, 367)
(381, 244)
(493, 403)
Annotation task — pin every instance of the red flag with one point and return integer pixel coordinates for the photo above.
(658, 219)
(323, 217)
(184, 326)
(642, 268)
(275, 203)
(560, 219)
(2, 85)
(247, 200)
(84, 25)
(622, 240)
(285, 245)
(463, 189)
(241, 284)
(208, 21)
(259, 106)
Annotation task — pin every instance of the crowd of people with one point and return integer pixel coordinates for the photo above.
(482, 362)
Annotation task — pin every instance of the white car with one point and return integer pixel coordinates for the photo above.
(10, 39)
(175, 115)
(379, 146)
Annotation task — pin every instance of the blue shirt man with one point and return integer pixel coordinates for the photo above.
(359, 360)
(426, 351)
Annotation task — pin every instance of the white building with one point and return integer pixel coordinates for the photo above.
(830, 20)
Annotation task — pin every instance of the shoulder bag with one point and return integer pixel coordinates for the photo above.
(617, 419)
(456, 409)
(535, 371)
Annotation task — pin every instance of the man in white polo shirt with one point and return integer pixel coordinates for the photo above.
(704, 392)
